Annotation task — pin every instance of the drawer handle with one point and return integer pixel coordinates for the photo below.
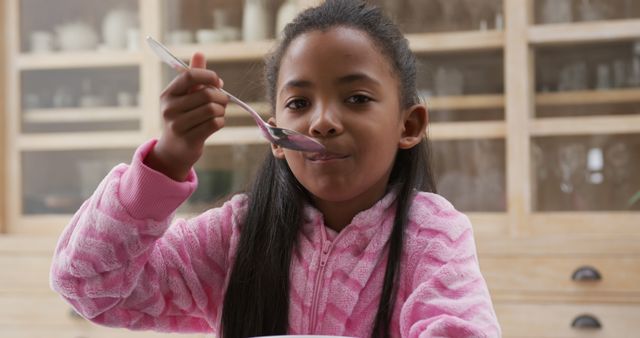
(586, 322)
(586, 273)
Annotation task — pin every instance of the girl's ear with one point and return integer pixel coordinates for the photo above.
(416, 119)
(278, 152)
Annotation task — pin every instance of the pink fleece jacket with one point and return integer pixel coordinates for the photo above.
(120, 263)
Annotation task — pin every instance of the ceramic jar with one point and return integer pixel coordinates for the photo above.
(76, 36)
(286, 14)
(115, 26)
(41, 42)
(255, 20)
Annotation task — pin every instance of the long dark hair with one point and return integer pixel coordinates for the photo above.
(256, 302)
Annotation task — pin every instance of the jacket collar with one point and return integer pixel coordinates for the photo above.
(366, 222)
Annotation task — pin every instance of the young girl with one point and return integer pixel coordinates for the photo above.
(350, 242)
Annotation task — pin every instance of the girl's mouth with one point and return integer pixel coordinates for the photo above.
(325, 157)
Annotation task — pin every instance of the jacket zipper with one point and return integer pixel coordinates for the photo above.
(324, 256)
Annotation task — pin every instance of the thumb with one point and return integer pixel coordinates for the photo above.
(198, 60)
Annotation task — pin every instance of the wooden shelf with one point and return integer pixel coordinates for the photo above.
(225, 52)
(585, 125)
(489, 224)
(80, 141)
(588, 97)
(40, 226)
(75, 115)
(584, 32)
(236, 135)
(465, 102)
(467, 130)
(89, 59)
(263, 108)
(584, 222)
(456, 41)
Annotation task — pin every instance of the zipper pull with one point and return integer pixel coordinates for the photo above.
(326, 248)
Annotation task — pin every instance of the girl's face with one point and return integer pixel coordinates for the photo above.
(337, 87)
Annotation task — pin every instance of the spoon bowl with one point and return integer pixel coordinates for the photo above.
(282, 137)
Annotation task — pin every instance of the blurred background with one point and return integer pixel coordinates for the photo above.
(535, 124)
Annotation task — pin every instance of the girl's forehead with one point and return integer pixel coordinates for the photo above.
(338, 49)
(333, 39)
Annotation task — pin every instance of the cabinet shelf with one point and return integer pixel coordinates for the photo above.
(585, 222)
(227, 52)
(465, 102)
(89, 59)
(420, 43)
(572, 33)
(467, 130)
(456, 41)
(74, 115)
(79, 141)
(590, 97)
(236, 135)
(234, 110)
(587, 125)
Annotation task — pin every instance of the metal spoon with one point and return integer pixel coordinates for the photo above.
(285, 138)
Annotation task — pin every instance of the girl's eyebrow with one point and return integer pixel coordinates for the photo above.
(295, 83)
(349, 78)
(357, 77)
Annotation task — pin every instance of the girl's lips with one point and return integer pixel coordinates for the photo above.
(325, 157)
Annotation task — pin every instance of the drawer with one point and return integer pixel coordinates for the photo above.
(555, 320)
(617, 274)
(46, 316)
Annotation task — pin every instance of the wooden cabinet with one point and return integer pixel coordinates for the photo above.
(535, 124)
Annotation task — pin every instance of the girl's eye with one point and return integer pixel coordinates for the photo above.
(358, 99)
(297, 104)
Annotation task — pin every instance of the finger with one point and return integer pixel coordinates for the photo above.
(181, 104)
(183, 83)
(196, 117)
(199, 133)
(198, 61)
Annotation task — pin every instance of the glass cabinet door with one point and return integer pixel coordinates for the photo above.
(430, 16)
(586, 173)
(224, 21)
(79, 69)
(584, 150)
(588, 80)
(471, 173)
(80, 100)
(463, 86)
(57, 182)
(566, 11)
(463, 92)
(76, 109)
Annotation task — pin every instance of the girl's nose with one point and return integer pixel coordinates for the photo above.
(325, 123)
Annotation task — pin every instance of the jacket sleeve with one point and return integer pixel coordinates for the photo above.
(120, 264)
(449, 296)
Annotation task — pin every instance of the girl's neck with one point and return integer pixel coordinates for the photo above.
(339, 214)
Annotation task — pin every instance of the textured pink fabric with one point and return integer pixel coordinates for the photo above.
(120, 264)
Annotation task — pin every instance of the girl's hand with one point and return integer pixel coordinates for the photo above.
(192, 111)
